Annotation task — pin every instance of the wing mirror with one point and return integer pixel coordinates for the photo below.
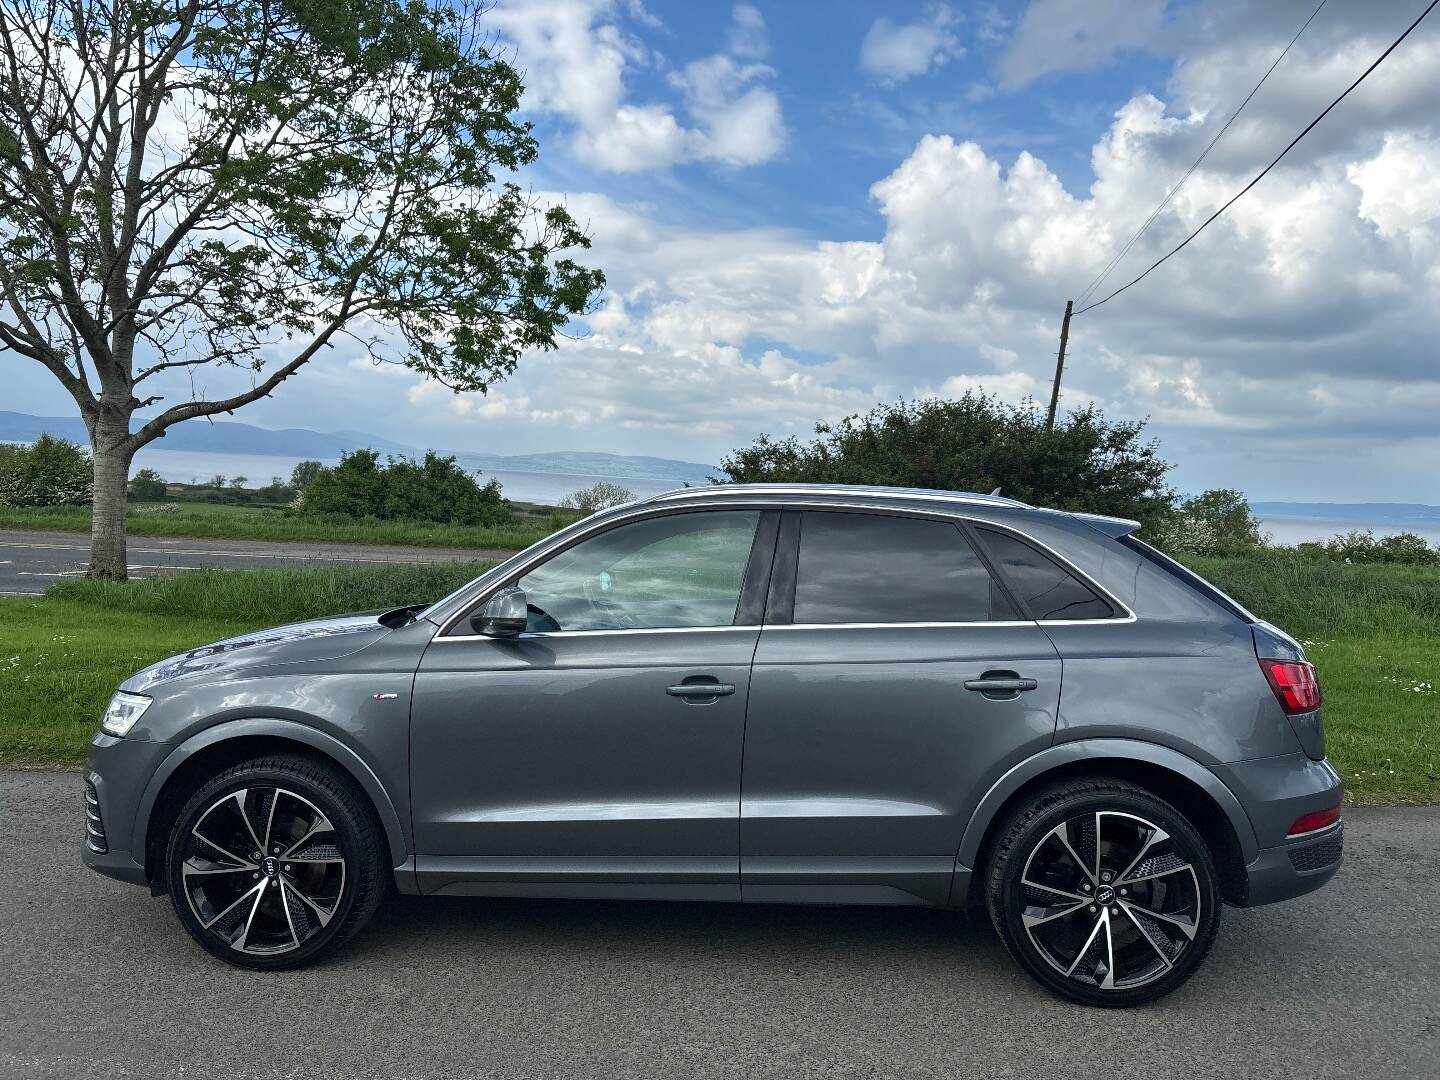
(504, 614)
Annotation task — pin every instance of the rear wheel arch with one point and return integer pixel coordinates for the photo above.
(218, 748)
(1188, 786)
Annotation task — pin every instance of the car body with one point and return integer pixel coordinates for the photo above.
(772, 693)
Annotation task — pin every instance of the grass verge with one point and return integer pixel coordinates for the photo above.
(212, 521)
(62, 655)
(1373, 632)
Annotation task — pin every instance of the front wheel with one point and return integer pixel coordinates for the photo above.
(1104, 893)
(275, 861)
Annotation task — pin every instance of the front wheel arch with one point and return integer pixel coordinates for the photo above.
(217, 748)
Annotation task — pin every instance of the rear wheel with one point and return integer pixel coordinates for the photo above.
(1104, 893)
(274, 861)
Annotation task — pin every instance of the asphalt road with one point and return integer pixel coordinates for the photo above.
(99, 980)
(30, 561)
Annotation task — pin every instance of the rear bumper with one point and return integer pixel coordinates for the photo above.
(1294, 869)
(1275, 792)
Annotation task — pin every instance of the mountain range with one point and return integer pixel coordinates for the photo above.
(229, 437)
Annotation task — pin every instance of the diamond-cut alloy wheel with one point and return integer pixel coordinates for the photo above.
(263, 870)
(1103, 892)
(1109, 901)
(274, 861)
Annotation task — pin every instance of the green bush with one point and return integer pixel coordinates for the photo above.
(1216, 522)
(435, 489)
(147, 485)
(976, 443)
(599, 496)
(1364, 547)
(48, 472)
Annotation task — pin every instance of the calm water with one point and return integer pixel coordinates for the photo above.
(185, 467)
(1290, 531)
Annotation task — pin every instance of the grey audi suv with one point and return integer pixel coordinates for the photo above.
(775, 694)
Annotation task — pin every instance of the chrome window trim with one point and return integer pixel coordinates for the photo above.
(640, 510)
(757, 627)
(752, 628)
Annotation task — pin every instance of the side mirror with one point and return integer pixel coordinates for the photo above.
(504, 614)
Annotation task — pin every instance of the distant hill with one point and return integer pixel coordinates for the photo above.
(228, 437)
(1418, 514)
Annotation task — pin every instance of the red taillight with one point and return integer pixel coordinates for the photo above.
(1294, 684)
(1318, 820)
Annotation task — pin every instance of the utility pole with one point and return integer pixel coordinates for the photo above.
(1059, 367)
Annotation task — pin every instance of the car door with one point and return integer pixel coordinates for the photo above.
(598, 753)
(886, 695)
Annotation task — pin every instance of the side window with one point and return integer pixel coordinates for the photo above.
(868, 568)
(678, 570)
(1046, 588)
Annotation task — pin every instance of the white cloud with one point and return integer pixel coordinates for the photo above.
(893, 52)
(575, 55)
(1077, 35)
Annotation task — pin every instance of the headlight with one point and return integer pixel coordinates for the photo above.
(122, 712)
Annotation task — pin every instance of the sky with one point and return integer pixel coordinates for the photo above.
(806, 207)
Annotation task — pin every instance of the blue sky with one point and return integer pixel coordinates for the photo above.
(804, 208)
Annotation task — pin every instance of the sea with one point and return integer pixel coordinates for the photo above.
(187, 467)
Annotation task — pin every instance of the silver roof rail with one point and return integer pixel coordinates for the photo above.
(740, 490)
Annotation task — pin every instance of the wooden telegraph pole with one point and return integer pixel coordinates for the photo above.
(1059, 367)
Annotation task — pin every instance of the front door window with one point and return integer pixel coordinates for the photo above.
(680, 570)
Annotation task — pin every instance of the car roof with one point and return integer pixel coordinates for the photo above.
(878, 497)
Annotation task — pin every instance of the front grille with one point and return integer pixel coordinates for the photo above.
(94, 826)
(1320, 854)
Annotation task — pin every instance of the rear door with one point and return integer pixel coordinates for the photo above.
(894, 680)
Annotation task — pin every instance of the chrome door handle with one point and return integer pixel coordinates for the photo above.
(700, 690)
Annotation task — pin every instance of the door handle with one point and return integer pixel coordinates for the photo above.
(1001, 685)
(688, 690)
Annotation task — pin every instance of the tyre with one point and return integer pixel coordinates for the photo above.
(1103, 892)
(275, 861)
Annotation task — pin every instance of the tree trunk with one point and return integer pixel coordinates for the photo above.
(112, 455)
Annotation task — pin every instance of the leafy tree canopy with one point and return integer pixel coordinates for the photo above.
(975, 443)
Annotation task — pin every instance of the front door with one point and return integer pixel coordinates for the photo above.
(871, 732)
(599, 752)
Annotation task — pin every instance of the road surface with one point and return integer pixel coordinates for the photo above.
(31, 561)
(99, 980)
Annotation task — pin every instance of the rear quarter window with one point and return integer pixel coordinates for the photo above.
(1043, 586)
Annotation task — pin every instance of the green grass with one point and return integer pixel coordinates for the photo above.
(62, 655)
(1373, 632)
(216, 521)
(60, 661)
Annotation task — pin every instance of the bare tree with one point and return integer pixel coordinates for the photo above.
(234, 185)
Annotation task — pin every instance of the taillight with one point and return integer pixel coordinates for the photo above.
(1320, 819)
(1294, 684)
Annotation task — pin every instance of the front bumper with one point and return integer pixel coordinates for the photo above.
(1275, 792)
(118, 771)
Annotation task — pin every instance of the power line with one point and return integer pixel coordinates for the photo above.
(1169, 195)
(1308, 127)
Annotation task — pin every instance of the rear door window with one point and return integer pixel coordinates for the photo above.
(1045, 587)
(872, 568)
